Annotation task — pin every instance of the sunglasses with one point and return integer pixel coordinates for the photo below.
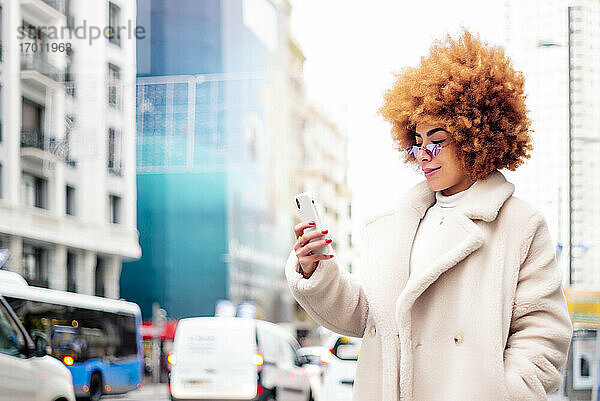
(433, 149)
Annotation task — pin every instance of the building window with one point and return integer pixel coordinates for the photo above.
(114, 18)
(35, 265)
(99, 277)
(114, 86)
(34, 191)
(69, 73)
(71, 271)
(32, 115)
(70, 200)
(114, 151)
(115, 209)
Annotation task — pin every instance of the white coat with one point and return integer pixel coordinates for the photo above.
(486, 320)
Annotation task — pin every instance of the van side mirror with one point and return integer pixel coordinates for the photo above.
(346, 349)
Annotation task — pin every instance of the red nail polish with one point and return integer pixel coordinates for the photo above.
(324, 231)
(312, 223)
(330, 256)
(328, 240)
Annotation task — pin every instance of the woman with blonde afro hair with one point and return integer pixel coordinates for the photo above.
(474, 93)
(460, 296)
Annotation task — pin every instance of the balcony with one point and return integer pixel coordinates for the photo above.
(36, 145)
(32, 138)
(37, 71)
(70, 88)
(115, 167)
(47, 11)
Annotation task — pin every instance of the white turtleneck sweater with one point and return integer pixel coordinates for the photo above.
(428, 225)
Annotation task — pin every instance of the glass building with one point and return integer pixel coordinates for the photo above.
(210, 228)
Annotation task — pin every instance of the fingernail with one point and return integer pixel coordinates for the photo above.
(312, 223)
(328, 240)
(324, 231)
(330, 256)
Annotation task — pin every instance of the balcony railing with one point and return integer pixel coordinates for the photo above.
(58, 5)
(36, 62)
(114, 94)
(70, 88)
(32, 138)
(115, 167)
(60, 148)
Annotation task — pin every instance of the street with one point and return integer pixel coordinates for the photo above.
(150, 392)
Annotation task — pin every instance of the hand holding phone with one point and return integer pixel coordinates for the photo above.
(311, 246)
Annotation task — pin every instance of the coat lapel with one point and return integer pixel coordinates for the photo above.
(458, 236)
(456, 239)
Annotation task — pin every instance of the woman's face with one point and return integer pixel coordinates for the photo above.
(449, 176)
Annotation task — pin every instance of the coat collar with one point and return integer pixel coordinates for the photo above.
(482, 202)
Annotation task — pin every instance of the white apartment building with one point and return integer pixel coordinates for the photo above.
(67, 147)
(315, 159)
(538, 41)
(318, 157)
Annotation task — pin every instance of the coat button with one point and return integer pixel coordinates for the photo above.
(372, 331)
(458, 338)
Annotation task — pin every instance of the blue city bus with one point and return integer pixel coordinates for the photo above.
(98, 339)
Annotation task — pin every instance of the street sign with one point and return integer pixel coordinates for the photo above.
(584, 306)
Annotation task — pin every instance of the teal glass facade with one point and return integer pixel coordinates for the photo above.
(209, 225)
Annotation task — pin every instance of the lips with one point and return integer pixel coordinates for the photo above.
(429, 170)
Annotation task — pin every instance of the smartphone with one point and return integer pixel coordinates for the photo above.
(307, 210)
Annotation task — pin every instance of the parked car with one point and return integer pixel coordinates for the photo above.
(26, 372)
(338, 379)
(318, 357)
(236, 358)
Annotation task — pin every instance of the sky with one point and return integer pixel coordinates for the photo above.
(351, 53)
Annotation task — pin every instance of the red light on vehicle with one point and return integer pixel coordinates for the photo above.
(257, 359)
(85, 389)
(259, 389)
(107, 387)
(171, 359)
(68, 360)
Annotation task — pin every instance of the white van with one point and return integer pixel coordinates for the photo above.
(229, 358)
(26, 372)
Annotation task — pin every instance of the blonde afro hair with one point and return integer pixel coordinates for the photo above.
(470, 89)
